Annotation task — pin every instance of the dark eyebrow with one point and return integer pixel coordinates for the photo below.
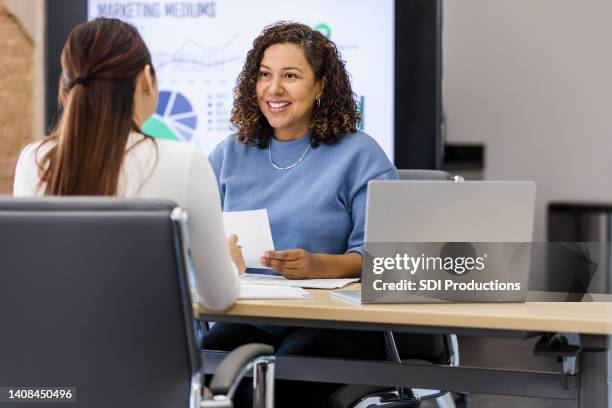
(296, 68)
(284, 69)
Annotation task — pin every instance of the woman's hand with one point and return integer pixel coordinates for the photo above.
(301, 264)
(292, 263)
(235, 251)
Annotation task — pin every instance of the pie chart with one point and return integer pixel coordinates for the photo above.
(173, 119)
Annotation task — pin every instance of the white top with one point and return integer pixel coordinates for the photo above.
(177, 172)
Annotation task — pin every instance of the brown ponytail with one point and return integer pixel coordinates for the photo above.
(100, 63)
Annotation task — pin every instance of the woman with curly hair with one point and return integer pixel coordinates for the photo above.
(297, 153)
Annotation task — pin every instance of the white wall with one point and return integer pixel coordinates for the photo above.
(532, 80)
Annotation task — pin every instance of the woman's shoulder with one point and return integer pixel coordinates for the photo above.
(228, 147)
(26, 171)
(176, 146)
(31, 147)
(33, 152)
(153, 157)
(39, 148)
(168, 150)
(230, 144)
(362, 145)
(361, 140)
(364, 157)
(162, 167)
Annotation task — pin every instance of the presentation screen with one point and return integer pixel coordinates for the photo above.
(199, 48)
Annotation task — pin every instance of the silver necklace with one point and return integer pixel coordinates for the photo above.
(277, 167)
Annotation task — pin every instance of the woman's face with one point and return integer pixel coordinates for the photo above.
(286, 90)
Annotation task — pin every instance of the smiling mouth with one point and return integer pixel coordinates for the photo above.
(278, 106)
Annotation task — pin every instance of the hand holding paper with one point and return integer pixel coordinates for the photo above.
(291, 263)
(253, 231)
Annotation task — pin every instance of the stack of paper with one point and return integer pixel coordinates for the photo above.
(272, 292)
(252, 278)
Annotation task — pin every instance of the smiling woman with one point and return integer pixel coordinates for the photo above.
(298, 62)
(286, 90)
(297, 153)
(296, 118)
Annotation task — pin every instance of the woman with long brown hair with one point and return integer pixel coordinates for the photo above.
(107, 90)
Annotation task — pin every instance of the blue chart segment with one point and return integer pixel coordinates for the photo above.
(174, 118)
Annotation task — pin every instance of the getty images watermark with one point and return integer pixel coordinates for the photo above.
(484, 271)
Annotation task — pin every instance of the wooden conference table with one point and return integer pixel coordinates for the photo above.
(591, 320)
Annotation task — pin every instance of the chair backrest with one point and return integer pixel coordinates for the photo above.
(430, 175)
(94, 295)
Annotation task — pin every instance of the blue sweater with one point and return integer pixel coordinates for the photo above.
(319, 205)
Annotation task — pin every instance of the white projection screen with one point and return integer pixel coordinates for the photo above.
(199, 48)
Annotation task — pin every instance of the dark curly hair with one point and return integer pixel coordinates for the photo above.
(337, 113)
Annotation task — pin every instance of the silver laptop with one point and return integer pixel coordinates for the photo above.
(433, 226)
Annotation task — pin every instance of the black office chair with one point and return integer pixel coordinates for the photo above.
(406, 348)
(94, 296)
(427, 175)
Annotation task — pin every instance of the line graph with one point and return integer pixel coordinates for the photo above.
(192, 56)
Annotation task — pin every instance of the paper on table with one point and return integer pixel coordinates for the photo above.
(272, 292)
(353, 296)
(252, 278)
(254, 234)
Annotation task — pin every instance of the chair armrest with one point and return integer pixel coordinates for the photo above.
(233, 365)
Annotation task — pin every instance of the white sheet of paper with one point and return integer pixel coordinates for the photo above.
(254, 234)
(353, 296)
(272, 292)
(254, 278)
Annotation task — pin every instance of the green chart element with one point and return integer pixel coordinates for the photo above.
(174, 118)
(158, 129)
(361, 109)
(324, 29)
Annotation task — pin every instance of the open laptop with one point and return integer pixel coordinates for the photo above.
(489, 222)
